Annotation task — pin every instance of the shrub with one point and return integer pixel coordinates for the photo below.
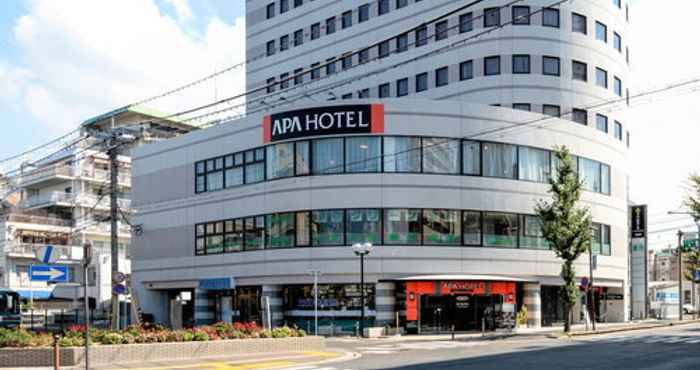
(71, 342)
(15, 338)
(112, 338)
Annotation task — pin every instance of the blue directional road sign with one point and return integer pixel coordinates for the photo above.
(49, 273)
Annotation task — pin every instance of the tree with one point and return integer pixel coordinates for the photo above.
(564, 225)
(692, 202)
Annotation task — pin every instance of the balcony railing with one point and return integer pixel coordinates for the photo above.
(102, 202)
(123, 178)
(40, 220)
(48, 199)
(26, 250)
(45, 173)
(105, 227)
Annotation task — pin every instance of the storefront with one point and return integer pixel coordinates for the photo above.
(434, 306)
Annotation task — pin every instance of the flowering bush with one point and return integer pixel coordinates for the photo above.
(74, 336)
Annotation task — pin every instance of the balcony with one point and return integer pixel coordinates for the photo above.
(47, 176)
(25, 250)
(99, 175)
(106, 228)
(101, 202)
(38, 220)
(54, 198)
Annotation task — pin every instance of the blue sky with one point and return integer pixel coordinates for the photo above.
(39, 100)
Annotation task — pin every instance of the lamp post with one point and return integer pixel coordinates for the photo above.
(315, 274)
(362, 249)
(591, 293)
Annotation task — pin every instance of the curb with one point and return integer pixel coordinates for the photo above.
(623, 329)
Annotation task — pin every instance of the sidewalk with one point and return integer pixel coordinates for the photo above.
(249, 362)
(552, 332)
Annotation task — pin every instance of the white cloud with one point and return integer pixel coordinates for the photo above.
(83, 57)
(182, 7)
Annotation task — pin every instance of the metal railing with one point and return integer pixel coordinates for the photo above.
(18, 249)
(96, 201)
(48, 199)
(46, 173)
(123, 178)
(40, 220)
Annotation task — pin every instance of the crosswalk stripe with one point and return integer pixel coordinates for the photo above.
(301, 368)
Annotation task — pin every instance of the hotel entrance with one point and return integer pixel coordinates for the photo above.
(465, 305)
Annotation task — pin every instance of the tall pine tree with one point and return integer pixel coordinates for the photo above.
(565, 225)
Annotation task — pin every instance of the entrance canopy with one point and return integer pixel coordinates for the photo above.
(460, 277)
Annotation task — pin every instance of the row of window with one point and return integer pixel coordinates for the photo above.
(283, 7)
(395, 226)
(391, 154)
(491, 18)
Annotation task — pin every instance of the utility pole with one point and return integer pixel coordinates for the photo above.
(114, 172)
(680, 275)
(87, 257)
(590, 287)
(315, 273)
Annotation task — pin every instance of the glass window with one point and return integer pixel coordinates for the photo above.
(363, 13)
(442, 77)
(331, 65)
(402, 43)
(579, 23)
(402, 226)
(521, 15)
(601, 77)
(383, 6)
(215, 244)
(550, 66)
(363, 94)
(522, 106)
(298, 3)
(589, 172)
(466, 70)
(302, 158)
(284, 42)
(466, 23)
(402, 154)
(215, 180)
(618, 86)
(384, 90)
(363, 154)
(298, 37)
(533, 164)
(298, 76)
(254, 172)
(551, 110)
(441, 227)
(441, 155)
(270, 47)
(492, 65)
(284, 6)
(330, 25)
(580, 71)
(315, 31)
(327, 227)
(303, 228)
(346, 61)
(471, 163)
(270, 10)
(422, 82)
(596, 238)
(421, 36)
(234, 177)
(315, 71)
(328, 156)
(601, 123)
(284, 80)
(500, 230)
(605, 179)
(346, 19)
(441, 30)
(401, 3)
(601, 32)
(500, 160)
(550, 17)
(200, 168)
(254, 233)
(270, 85)
(363, 56)
(200, 184)
(492, 17)
(605, 240)
(280, 230)
(402, 87)
(280, 161)
(233, 239)
(521, 64)
(531, 233)
(580, 116)
(471, 223)
(363, 225)
(617, 42)
(384, 49)
(618, 131)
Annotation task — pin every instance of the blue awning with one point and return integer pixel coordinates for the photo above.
(37, 294)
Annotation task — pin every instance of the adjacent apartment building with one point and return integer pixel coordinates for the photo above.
(422, 127)
(64, 201)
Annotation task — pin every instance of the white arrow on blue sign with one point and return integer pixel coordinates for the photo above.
(49, 273)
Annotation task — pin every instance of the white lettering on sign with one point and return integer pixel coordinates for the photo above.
(323, 121)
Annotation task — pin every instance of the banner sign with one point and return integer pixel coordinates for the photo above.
(639, 221)
(217, 284)
(330, 120)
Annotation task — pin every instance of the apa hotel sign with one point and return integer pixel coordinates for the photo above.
(330, 120)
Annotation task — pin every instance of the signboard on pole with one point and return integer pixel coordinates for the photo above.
(638, 261)
(49, 273)
(48, 254)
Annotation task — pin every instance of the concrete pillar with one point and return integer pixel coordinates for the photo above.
(204, 308)
(385, 304)
(533, 302)
(274, 292)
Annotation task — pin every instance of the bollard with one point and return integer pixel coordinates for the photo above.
(56, 353)
(453, 332)
(483, 326)
(357, 329)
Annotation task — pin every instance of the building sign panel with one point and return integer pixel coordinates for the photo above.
(638, 262)
(639, 221)
(330, 120)
(217, 284)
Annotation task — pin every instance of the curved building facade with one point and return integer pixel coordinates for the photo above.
(371, 122)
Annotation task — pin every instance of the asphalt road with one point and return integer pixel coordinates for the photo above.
(666, 348)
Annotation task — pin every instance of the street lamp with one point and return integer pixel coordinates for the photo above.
(590, 294)
(362, 249)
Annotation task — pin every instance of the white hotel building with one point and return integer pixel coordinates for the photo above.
(423, 160)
